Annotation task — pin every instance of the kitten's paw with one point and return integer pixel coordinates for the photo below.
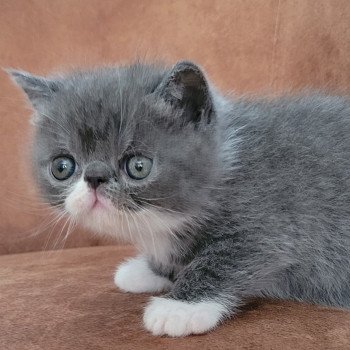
(179, 318)
(136, 276)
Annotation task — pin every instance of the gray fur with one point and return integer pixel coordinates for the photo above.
(265, 181)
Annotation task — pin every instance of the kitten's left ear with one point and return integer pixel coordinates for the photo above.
(185, 87)
(39, 90)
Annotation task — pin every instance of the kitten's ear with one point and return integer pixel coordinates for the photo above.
(39, 90)
(186, 88)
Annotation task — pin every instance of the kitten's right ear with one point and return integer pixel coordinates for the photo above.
(39, 90)
(186, 88)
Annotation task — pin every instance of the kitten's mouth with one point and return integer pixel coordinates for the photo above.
(85, 201)
(98, 202)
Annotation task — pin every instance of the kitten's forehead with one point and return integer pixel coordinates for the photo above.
(102, 108)
(111, 87)
(108, 92)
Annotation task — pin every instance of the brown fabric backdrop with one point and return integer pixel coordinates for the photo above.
(247, 46)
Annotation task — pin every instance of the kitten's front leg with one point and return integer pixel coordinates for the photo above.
(189, 308)
(136, 276)
(209, 290)
(178, 318)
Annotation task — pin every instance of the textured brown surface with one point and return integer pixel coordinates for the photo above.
(248, 46)
(66, 300)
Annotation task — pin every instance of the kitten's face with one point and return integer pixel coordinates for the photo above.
(122, 149)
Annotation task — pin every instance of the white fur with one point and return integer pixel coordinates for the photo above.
(135, 276)
(178, 318)
(80, 200)
(151, 230)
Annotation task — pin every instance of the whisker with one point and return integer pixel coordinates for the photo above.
(56, 122)
(128, 224)
(161, 208)
(43, 226)
(56, 242)
(71, 226)
(138, 228)
(149, 229)
(60, 217)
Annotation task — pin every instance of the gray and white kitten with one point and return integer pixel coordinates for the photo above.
(226, 198)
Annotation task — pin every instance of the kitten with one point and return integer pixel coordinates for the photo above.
(226, 198)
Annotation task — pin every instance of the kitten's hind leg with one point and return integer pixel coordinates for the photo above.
(136, 276)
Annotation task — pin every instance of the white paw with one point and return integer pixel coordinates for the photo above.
(136, 276)
(179, 318)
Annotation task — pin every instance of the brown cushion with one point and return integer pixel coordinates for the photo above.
(67, 300)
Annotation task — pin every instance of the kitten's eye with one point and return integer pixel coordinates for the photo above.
(138, 167)
(62, 168)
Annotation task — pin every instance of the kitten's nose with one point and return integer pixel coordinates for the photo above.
(97, 173)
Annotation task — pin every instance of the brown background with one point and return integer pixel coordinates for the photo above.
(258, 46)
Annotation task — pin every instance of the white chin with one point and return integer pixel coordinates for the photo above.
(151, 230)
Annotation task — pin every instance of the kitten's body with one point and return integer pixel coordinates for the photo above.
(247, 197)
(289, 198)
